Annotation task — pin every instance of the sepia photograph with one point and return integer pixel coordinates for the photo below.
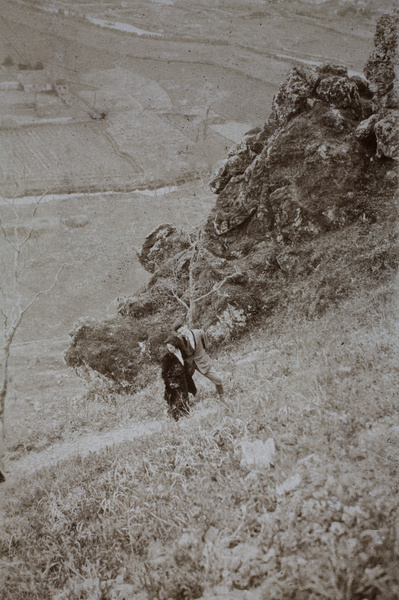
(199, 300)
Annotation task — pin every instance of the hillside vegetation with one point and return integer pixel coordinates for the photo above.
(288, 489)
(180, 514)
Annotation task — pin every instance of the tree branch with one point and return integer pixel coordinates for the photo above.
(43, 292)
(27, 238)
(215, 288)
(15, 248)
(12, 203)
(27, 267)
(180, 300)
(5, 318)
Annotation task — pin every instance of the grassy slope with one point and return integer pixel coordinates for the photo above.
(133, 519)
(177, 513)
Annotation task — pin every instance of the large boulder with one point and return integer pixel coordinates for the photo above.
(292, 96)
(339, 92)
(313, 175)
(160, 245)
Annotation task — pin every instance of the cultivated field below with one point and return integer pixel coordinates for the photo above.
(161, 98)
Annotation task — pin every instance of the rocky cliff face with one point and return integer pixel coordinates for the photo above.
(311, 169)
(303, 218)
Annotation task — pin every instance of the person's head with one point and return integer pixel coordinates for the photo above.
(173, 343)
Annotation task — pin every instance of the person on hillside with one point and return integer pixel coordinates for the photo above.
(195, 343)
(177, 378)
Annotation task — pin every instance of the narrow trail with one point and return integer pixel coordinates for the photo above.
(91, 443)
(82, 446)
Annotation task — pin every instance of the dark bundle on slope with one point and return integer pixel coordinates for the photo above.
(304, 218)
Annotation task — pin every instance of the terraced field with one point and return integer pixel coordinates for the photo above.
(228, 58)
(61, 157)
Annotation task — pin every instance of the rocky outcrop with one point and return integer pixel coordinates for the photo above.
(387, 135)
(308, 171)
(380, 68)
(160, 245)
(380, 71)
(303, 217)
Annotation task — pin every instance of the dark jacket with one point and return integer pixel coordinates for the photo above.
(178, 384)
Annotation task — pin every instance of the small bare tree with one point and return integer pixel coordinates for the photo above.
(20, 248)
(196, 254)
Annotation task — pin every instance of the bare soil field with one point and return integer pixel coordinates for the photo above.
(96, 235)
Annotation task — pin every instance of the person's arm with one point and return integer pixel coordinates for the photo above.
(182, 347)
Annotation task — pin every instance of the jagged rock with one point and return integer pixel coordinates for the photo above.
(162, 243)
(239, 157)
(287, 208)
(363, 86)
(339, 91)
(380, 67)
(330, 69)
(366, 108)
(311, 75)
(262, 257)
(138, 306)
(228, 322)
(308, 178)
(291, 98)
(365, 129)
(244, 207)
(387, 134)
